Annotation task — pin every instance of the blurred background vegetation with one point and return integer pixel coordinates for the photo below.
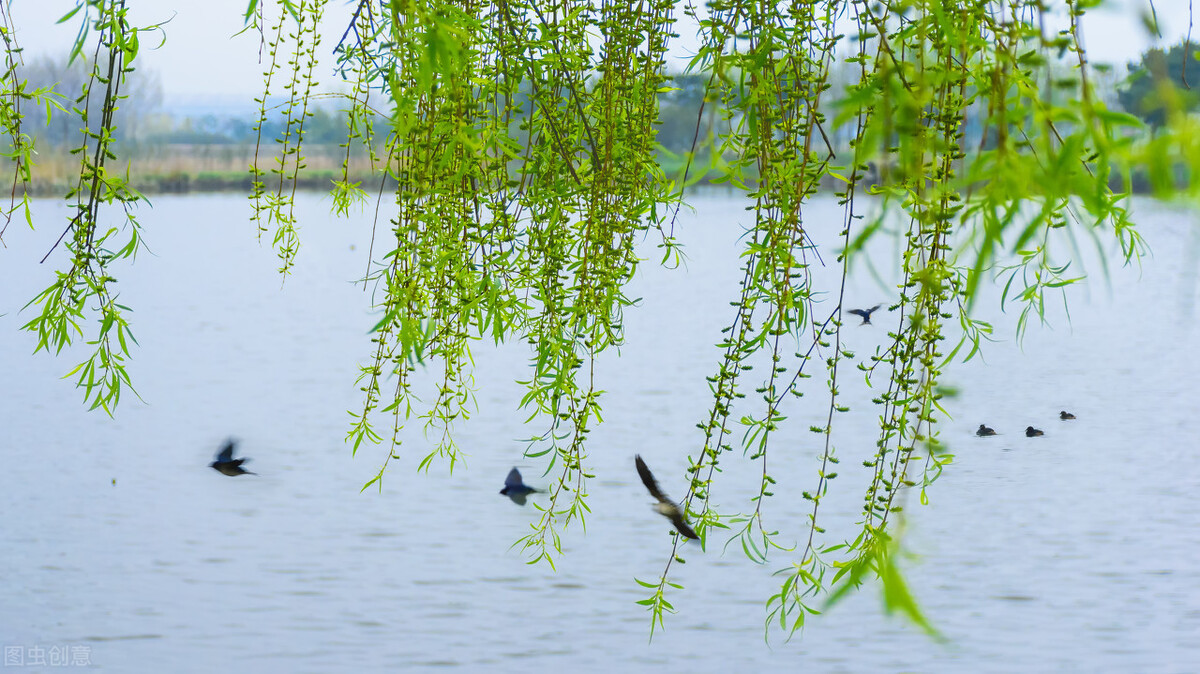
(208, 145)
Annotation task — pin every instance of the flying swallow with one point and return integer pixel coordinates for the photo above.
(665, 506)
(1065, 415)
(1031, 432)
(984, 430)
(515, 489)
(865, 314)
(227, 465)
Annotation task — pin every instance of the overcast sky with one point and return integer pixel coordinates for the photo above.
(201, 59)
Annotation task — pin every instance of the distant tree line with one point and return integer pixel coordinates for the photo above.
(141, 120)
(132, 118)
(1159, 82)
(324, 126)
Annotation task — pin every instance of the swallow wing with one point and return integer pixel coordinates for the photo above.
(226, 453)
(681, 525)
(648, 480)
(513, 480)
(865, 314)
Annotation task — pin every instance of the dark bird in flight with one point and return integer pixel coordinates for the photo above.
(984, 430)
(665, 506)
(865, 314)
(1065, 415)
(515, 489)
(1031, 432)
(227, 465)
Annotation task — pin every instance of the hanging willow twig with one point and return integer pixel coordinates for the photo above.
(87, 284)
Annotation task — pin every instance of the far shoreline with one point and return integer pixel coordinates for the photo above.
(192, 169)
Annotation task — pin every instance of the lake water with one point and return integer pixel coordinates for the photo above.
(1077, 551)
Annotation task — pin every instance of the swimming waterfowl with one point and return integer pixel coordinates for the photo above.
(984, 431)
(1065, 415)
(1031, 432)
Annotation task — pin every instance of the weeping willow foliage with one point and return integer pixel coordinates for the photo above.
(110, 45)
(519, 174)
